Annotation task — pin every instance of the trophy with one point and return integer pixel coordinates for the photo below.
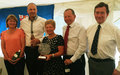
(44, 49)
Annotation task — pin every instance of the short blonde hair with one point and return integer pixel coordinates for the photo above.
(50, 21)
(11, 16)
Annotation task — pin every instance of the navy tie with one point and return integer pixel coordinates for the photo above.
(95, 41)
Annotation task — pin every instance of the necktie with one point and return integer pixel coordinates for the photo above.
(32, 36)
(66, 39)
(95, 41)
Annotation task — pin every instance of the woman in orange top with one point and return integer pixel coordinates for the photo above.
(13, 40)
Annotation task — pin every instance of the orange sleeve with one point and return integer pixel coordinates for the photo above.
(22, 33)
(2, 35)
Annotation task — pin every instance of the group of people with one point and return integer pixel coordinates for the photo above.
(101, 39)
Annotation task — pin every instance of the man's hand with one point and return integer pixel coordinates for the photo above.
(115, 72)
(35, 41)
(67, 61)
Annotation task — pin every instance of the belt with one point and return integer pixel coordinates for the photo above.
(101, 60)
(67, 56)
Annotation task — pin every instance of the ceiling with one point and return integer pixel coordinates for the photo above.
(19, 3)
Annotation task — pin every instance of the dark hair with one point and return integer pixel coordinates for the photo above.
(11, 16)
(71, 10)
(102, 4)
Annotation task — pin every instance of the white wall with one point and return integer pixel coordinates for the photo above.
(1, 54)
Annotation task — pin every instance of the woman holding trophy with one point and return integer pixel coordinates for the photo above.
(13, 43)
(54, 64)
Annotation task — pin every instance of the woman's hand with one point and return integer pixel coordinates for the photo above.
(10, 60)
(13, 61)
(48, 57)
(17, 60)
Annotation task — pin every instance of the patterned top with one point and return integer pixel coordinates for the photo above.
(54, 43)
(55, 66)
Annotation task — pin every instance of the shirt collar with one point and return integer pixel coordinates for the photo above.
(102, 25)
(34, 18)
(72, 24)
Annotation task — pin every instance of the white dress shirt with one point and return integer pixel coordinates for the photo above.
(77, 38)
(38, 28)
(109, 38)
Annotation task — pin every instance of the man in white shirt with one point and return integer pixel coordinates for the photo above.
(76, 44)
(102, 54)
(33, 27)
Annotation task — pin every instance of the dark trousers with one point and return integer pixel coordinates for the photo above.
(15, 69)
(34, 65)
(101, 67)
(76, 68)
